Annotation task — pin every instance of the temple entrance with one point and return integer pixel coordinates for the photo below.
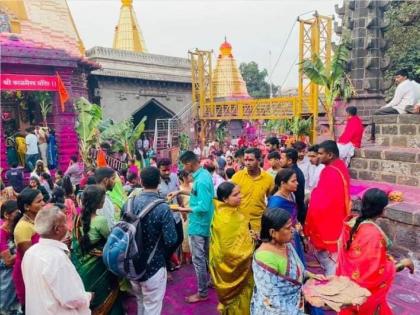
(153, 109)
(21, 111)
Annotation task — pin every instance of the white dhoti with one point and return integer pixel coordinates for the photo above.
(346, 152)
(43, 147)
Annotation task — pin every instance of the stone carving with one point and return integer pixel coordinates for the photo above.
(363, 26)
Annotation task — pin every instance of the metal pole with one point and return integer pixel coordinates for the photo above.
(270, 74)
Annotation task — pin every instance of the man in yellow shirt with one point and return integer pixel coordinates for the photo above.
(256, 185)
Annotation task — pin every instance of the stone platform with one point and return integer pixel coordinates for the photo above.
(392, 163)
(401, 131)
(401, 220)
(388, 164)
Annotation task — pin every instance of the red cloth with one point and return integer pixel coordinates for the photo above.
(368, 264)
(328, 206)
(353, 132)
(101, 159)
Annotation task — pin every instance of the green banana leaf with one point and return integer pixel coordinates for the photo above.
(135, 135)
(89, 117)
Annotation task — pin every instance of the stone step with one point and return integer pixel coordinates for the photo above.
(401, 220)
(397, 130)
(391, 165)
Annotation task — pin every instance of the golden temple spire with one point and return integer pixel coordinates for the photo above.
(128, 35)
(227, 79)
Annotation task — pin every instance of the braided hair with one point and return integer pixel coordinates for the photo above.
(373, 203)
(92, 198)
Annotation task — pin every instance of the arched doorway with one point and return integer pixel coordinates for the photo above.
(153, 109)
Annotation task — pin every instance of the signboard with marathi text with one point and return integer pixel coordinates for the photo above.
(26, 82)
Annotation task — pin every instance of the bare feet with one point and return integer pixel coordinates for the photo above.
(195, 298)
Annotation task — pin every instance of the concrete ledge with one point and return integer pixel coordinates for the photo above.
(394, 119)
(385, 119)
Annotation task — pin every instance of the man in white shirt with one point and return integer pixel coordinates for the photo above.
(146, 144)
(316, 167)
(197, 151)
(52, 284)
(405, 96)
(303, 161)
(416, 107)
(32, 153)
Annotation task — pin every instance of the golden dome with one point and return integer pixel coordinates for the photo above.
(128, 35)
(227, 80)
(226, 49)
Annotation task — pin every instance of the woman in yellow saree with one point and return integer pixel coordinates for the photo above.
(231, 249)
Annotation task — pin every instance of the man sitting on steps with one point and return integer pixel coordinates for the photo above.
(352, 135)
(405, 98)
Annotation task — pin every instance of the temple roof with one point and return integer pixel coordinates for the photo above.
(227, 80)
(128, 35)
(137, 65)
(48, 23)
(15, 50)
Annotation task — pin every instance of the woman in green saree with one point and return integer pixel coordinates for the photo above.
(90, 233)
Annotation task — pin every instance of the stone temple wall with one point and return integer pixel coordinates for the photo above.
(363, 27)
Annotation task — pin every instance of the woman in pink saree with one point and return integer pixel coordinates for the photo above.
(363, 255)
(29, 201)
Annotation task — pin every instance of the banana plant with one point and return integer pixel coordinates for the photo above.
(89, 117)
(45, 103)
(123, 135)
(184, 141)
(333, 78)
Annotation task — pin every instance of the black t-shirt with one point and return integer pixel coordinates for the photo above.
(15, 177)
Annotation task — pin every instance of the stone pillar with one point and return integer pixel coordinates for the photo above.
(363, 25)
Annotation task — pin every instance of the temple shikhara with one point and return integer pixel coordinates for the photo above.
(227, 80)
(132, 82)
(128, 35)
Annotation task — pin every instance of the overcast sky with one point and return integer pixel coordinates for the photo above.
(173, 27)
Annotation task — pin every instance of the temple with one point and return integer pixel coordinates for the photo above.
(227, 80)
(39, 46)
(128, 35)
(132, 83)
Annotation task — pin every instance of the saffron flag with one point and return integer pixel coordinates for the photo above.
(62, 92)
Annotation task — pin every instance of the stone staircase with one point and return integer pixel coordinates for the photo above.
(393, 162)
(395, 156)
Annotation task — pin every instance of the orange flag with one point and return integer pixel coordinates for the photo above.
(62, 92)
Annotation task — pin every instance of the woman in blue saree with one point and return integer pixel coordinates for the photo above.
(278, 271)
(283, 197)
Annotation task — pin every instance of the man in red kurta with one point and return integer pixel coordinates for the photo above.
(328, 207)
(352, 135)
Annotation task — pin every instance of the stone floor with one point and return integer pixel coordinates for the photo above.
(404, 296)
